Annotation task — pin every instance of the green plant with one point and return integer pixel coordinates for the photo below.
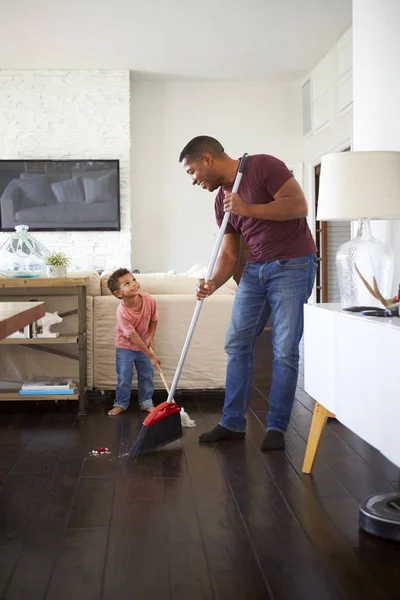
(57, 259)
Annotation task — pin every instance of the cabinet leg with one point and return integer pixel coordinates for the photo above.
(82, 408)
(82, 349)
(318, 423)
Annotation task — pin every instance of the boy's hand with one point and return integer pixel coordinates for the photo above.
(150, 342)
(203, 290)
(155, 361)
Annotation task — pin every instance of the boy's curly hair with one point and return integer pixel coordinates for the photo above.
(113, 280)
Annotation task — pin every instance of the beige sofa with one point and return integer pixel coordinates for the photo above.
(175, 296)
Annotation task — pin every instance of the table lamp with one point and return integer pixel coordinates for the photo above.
(361, 186)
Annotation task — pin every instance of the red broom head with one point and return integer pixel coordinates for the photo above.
(162, 426)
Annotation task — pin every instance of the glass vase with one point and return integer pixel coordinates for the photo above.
(22, 255)
(372, 258)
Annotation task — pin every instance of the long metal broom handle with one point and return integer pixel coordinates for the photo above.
(208, 276)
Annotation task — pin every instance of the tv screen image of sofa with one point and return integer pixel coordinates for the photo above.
(62, 195)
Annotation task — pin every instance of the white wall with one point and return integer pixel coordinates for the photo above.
(71, 114)
(376, 51)
(332, 123)
(332, 110)
(173, 224)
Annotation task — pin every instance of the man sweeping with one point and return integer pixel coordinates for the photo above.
(270, 213)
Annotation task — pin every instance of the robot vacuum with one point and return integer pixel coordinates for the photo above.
(380, 515)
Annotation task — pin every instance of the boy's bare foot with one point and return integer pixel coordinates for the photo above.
(148, 409)
(115, 411)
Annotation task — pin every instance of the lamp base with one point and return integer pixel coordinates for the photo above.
(373, 259)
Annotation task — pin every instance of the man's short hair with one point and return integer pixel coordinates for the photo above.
(195, 149)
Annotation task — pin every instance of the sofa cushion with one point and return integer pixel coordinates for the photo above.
(93, 288)
(75, 215)
(101, 189)
(36, 191)
(205, 365)
(165, 283)
(70, 190)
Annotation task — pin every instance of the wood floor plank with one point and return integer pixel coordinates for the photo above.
(79, 567)
(20, 497)
(9, 455)
(101, 431)
(239, 585)
(324, 536)
(9, 556)
(181, 515)
(323, 482)
(280, 544)
(3, 477)
(43, 451)
(224, 535)
(382, 559)
(358, 476)
(137, 558)
(139, 530)
(18, 429)
(59, 493)
(371, 455)
(379, 556)
(190, 576)
(31, 576)
(92, 505)
(305, 399)
(187, 520)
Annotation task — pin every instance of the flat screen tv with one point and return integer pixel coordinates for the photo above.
(60, 195)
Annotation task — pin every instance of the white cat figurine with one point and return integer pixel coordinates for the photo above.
(46, 322)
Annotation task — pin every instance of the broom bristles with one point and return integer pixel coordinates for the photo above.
(161, 427)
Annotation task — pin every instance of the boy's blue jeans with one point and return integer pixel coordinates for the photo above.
(279, 289)
(125, 361)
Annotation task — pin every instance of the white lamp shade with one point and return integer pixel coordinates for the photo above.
(357, 185)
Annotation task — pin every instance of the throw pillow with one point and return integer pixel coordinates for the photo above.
(69, 191)
(100, 189)
(36, 190)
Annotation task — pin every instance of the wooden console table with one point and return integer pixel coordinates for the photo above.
(43, 286)
(351, 366)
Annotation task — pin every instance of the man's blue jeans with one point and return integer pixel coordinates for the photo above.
(280, 289)
(126, 360)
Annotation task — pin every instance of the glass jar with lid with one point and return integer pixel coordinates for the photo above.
(22, 255)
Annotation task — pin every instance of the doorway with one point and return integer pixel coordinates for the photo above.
(329, 235)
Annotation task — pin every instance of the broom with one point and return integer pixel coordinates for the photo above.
(163, 425)
(185, 419)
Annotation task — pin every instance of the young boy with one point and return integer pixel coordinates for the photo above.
(134, 340)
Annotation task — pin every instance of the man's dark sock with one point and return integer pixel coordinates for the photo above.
(220, 433)
(274, 440)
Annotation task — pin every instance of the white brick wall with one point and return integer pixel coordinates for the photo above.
(72, 114)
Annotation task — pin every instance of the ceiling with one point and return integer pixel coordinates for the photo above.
(255, 40)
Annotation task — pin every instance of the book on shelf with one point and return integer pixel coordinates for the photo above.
(49, 384)
(47, 392)
(21, 333)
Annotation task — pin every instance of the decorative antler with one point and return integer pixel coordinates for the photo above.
(387, 303)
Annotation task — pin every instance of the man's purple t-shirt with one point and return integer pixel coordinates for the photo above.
(267, 240)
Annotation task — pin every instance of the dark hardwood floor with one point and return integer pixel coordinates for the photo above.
(187, 522)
